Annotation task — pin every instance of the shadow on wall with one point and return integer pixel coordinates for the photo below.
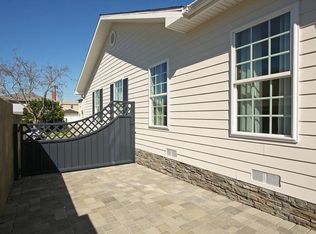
(146, 44)
(143, 45)
(43, 204)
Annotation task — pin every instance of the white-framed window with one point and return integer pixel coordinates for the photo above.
(158, 95)
(264, 77)
(97, 100)
(118, 90)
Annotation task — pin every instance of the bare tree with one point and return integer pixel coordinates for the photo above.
(21, 79)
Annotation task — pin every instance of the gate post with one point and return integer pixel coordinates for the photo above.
(133, 130)
(22, 153)
(17, 151)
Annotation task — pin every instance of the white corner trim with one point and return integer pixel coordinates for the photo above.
(295, 63)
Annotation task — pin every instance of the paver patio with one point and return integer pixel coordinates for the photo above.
(128, 199)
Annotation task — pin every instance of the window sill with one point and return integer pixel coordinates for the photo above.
(159, 127)
(264, 137)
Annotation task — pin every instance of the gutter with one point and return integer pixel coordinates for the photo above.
(197, 6)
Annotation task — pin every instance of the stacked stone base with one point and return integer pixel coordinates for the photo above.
(283, 206)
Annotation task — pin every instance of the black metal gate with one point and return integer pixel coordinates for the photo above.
(106, 138)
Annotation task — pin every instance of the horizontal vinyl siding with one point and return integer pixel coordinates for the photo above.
(199, 97)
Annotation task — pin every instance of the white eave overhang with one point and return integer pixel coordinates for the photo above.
(199, 12)
(178, 19)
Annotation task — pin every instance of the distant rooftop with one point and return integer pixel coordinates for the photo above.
(145, 10)
(70, 111)
(19, 97)
(69, 102)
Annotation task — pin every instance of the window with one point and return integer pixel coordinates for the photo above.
(262, 79)
(263, 49)
(158, 95)
(118, 90)
(97, 101)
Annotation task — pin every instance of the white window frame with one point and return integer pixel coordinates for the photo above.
(114, 90)
(95, 100)
(150, 124)
(293, 73)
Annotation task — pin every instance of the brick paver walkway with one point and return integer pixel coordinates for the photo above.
(128, 199)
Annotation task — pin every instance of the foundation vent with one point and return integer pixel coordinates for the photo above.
(273, 180)
(266, 178)
(258, 176)
(171, 153)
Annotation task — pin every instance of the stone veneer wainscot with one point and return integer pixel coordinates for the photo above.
(286, 207)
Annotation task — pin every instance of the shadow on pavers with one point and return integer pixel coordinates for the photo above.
(42, 204)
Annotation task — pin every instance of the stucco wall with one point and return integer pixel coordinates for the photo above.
(199, 96)
(6, 151)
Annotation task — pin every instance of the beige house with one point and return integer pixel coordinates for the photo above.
(71, 110)
(228, 86)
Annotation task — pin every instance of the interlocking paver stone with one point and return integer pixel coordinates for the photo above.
(128, 199)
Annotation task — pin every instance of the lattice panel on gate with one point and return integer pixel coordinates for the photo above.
(57, 131)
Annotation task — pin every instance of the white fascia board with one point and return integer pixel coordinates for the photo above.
(92, 51)
(142, 15)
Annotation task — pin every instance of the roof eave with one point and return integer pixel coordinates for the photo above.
(180, 20)
(81, 90)
(200, 11)
(195, 7)
(100, 35)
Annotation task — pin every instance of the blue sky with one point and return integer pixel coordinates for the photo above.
(59, 31)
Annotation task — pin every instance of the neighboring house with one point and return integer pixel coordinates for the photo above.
(228, 86)
(18, 102)
(80, 108)
(71, 110)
